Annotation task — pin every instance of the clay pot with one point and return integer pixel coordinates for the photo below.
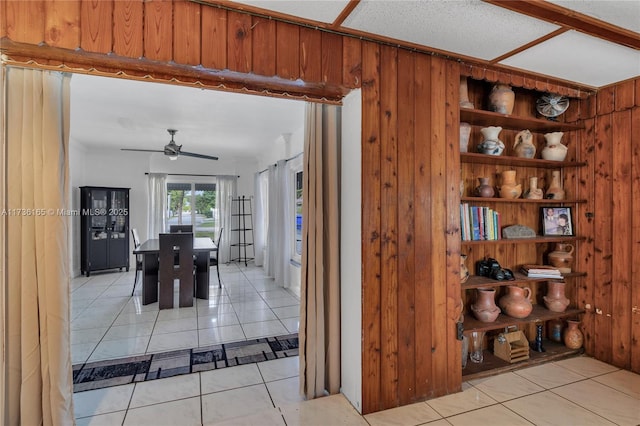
(517, 302)
(484, 190)
(555, 299)
(464, 271)
(534, 193)
(485, 308)
(502, 99)
(491, 144)
(509, 188)
(554, 150)
(465, 133)
(562, 257)
(572, 337)
(464, 94)
(523, 145)
(555, 191)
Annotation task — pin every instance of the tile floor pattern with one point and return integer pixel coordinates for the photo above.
(574, 391)
(108, 323)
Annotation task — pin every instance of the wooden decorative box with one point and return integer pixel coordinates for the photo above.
(511, 346)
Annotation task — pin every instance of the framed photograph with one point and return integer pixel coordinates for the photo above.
(556, 221)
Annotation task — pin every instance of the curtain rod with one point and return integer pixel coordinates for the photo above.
(288, 159)
(188, 174)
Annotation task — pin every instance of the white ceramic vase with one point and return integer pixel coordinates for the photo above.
(554, 150)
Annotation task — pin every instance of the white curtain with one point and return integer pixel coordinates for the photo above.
(280, 227)
(157, 204)
(226, 188)
(261, 188)
(39, 385)
(319, 332)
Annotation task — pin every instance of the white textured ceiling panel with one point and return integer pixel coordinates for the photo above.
(117, 113)
(580, 58)
(316, 10)
(465, 27)
(623, 13)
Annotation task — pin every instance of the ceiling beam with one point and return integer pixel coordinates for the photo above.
(345, 13)
(572, 20)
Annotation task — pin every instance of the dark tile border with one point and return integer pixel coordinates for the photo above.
(101, 374)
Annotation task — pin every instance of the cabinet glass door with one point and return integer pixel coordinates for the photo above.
(98, 215)
(118, 214)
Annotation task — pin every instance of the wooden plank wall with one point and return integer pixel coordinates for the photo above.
(611, 146)
(611, 183)
(410, 168)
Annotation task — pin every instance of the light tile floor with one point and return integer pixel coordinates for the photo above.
(583, 391)
(108, 323)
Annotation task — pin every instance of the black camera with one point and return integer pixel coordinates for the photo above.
(489, 267)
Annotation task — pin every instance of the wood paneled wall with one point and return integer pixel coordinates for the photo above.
(611, 146)
(410, 285)
(410, 166)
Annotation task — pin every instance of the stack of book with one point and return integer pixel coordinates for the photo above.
(541, 271)
(479, 223)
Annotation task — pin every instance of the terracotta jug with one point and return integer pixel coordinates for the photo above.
(465, 133)
(491, 144)
(517, 302)
(485, 189)
(555, 299)
(509, 188)
(554, 150)
(523, 145)
(534, 193)
(485, 308)
(562, 257)
(572, 337)
(555, 191)
(501, 99)
(464, 94)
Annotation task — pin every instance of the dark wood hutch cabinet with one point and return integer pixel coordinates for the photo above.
(104, 228)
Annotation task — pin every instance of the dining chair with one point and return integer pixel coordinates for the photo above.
(136, 244)
(180, 228)
(213, 257)
(180, 244)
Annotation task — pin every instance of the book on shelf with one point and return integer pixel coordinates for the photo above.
(541, 271)
(479, 223)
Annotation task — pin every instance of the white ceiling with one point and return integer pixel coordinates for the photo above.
(115, 113)
(487, 31)
(111, 113)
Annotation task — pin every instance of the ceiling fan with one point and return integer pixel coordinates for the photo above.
(173, 150)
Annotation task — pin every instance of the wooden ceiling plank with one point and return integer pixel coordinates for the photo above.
(345, 13)
(528, 45)
(571, 20)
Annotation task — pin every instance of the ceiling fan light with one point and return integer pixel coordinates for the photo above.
(173, 157)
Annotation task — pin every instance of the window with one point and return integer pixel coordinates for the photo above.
(191, 203)
(296, 176)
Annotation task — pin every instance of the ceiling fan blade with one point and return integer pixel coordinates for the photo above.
(191, 154)
(140, 150)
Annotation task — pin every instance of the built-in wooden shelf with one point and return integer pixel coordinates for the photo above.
(519, 200)
(539, 314)
(540, 239)
(477, 158)
(477, 281)
(493, 365)
(479, 117)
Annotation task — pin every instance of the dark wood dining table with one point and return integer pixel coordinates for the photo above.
(150, 250)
